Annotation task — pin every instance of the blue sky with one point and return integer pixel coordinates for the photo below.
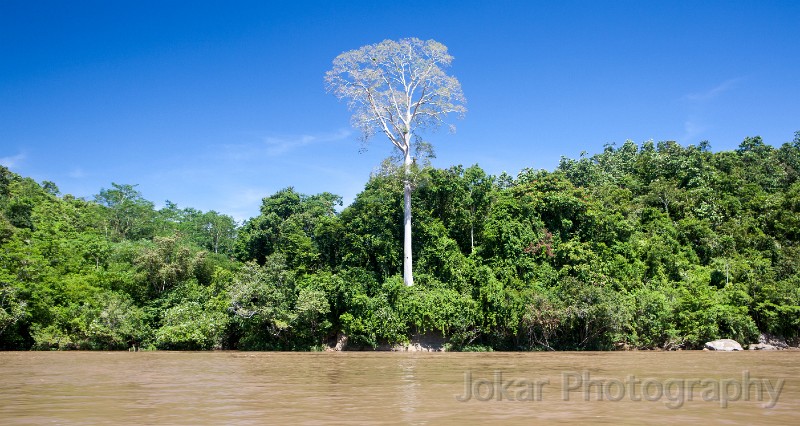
(214, 106)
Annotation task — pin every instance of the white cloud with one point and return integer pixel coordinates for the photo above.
(77, 173)
(701, 106)
(12, 161)
(692, 129)
(242, 204)
(714, 92)
(274, 146)
(233, 178)
(279, 145)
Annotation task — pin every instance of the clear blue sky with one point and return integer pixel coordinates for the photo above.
(215, 106)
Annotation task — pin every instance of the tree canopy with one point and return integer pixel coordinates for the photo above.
(398, 88)
(651, 245)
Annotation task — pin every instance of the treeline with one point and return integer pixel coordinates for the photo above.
(640, 246)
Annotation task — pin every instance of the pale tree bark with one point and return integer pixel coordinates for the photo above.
(408, 267)
(398, 88)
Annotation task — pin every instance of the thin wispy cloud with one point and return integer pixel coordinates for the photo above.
(701, 106)
(274, 146)
(280, 145)
(714, 92)
(242, 203)
(12, 161)
(77, 173)
(692, 129)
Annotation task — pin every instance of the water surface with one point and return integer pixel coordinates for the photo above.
(392, 388)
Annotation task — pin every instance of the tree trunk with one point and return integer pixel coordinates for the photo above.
(471, 238)
(471, 228)
(408, 275)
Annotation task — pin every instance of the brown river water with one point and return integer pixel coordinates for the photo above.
(399, 388)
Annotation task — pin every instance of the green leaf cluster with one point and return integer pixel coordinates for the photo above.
(650, 245)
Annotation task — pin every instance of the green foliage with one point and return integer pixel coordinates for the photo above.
(12, 309)
(212, 231)
(650, 321)
(104, 320)
(190, 326)
(431, 306)
(302, 228)
(166, 262)
(640, 246)
(263, 295)
(127, 214)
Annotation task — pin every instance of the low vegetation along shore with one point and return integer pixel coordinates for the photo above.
(651, 246)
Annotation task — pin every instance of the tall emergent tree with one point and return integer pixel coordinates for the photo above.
(398, 88)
